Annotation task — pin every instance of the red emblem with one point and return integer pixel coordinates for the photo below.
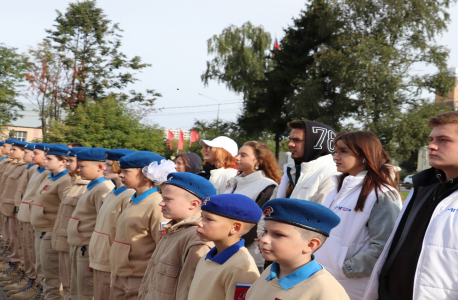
(268, 211)
(46, 187)
(205, 201)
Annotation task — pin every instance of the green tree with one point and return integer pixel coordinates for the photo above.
(89, 44)
(13, 67)
(107, 123)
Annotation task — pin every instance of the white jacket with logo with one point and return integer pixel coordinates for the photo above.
(314, 183)
(220, 178)
(350, 244)
(436, 276)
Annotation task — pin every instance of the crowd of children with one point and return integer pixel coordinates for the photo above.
(94, 223)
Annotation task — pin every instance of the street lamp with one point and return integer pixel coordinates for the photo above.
(219, 103)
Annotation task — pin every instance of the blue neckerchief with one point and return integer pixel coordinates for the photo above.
(93, 183)
(3, 158)
(41, 170)
(29, 166)
(297, 276)
(227, 253)
(59, 175)
(137, 200)
(119, 191)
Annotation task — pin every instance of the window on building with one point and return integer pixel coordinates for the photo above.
(20, 135)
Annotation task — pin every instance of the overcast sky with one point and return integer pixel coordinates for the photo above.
(172, 35)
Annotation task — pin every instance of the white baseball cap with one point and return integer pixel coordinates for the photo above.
(224, 142)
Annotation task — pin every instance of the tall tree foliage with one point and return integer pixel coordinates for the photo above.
(89, 44)
(107, 123)
(13, 67)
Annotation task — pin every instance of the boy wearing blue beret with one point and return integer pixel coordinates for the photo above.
(173, 263)
(82, 223)
(294, 229)
(227, 271)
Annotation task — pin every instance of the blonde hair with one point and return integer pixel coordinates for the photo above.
(115, 167)
(450, 117)
(223, 158)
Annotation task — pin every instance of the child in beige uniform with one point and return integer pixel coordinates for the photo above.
(82, 223)
(221, 274)
(173, 263)
(105, 226)
(66, 208)
(294, 229)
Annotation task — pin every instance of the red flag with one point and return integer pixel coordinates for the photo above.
(194, 137)
(181, 141)
(276, 45)
(170, 139)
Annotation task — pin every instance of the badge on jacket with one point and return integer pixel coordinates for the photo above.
(45, 188)
(240, 290)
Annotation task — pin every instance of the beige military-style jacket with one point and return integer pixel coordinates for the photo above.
(23, 214)
(22, 185)
(171, 268)
(13, 174)
(66, 208)
(105, 228)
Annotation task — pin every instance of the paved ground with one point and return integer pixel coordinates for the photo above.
(2, 295)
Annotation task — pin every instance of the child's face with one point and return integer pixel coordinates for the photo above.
(108, 170)
(28, 156)
(131, 177)
(180, 164)
(176, 203)
(53, 164)
(90, 170)
(282, 243)
(16, 153)
(72, 164)
(213, 227)
(39, 157)
(6, 149)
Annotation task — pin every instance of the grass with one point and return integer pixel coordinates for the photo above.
(404, 195)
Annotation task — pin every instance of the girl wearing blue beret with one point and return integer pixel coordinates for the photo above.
(366, 199)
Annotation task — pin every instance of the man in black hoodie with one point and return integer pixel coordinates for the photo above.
(309, 177)
(421, 261)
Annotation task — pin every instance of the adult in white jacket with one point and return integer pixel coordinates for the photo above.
(420, 260)
(219, 161)
(309, 176)
(367, 202)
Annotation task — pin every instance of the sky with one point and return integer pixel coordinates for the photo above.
(172, 36)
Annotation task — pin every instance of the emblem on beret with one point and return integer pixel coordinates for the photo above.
(171, 177)
(268, 211)
(205, 201)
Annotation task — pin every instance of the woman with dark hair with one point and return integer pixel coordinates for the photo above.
(258, 176)
(188, 162)
(368, 203)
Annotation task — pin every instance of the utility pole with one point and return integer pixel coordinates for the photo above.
(217, 101)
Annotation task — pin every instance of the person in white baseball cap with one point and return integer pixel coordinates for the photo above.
(219, 161)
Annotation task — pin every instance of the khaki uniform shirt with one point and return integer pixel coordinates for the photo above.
(105, 228)
(173, 263)
(66, 208)
(138, 231)
(13, 174)
(43, 212)
(22, 185)
(35, 180)
(82, 223)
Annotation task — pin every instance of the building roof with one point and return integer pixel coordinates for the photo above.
(30, 117)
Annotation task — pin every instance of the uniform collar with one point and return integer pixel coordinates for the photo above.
(227, 253)
(297, 276)
(59, 175)
(41, 170)
(137, 200)
(3, 158)
(29, 166)
(93, 183)
(119, 191)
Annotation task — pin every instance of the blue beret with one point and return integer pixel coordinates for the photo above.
(194, 184)
(233, 206)
(1, 143)
(30, 146)
(19, 143)
(301, 213)
(58, 149)
(73, 151)
(139, 159)
(41, 146)
(11, 141)
(92, 154)
(116, 154)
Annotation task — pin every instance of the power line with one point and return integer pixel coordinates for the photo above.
(198, 105)
(193, 113)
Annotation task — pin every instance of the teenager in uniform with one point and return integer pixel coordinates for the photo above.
(173, 263)
(139, 227)
(1, 151)
(82, 223)
(67, 206)
(10, 181)
(33, 287)
(294, 230)
(105, 226)
(367, 201)
(226, 271)
(4, 163)
(219, 166)
(43, 213)
(22, 185)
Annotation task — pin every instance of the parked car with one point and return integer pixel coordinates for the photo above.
(408, 183)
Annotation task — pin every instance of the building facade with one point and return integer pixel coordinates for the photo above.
(176, 133)
(26, 128)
